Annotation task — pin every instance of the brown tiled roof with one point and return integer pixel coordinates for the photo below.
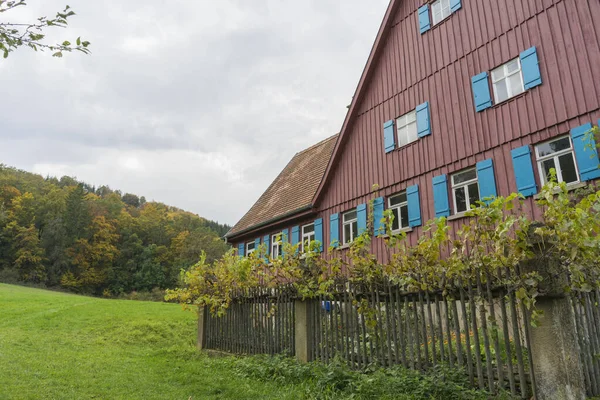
(292, 190)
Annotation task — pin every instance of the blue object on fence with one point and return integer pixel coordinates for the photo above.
(326, 305)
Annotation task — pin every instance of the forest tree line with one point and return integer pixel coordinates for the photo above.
(65, 233)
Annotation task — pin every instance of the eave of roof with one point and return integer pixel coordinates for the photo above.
(359, 93)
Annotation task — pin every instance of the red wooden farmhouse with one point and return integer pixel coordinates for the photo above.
(459, 100)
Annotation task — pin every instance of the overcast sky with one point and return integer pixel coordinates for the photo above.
(195, 103)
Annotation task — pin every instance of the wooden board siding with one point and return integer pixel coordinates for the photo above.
(437, 67)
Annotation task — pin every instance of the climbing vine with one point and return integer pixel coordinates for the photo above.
(496, 240)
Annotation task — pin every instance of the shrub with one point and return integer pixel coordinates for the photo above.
(337, 381)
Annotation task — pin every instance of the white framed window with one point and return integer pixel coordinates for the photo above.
(557, 154)
(440, 10)
(399, 205)
(507, 80)
(407, 128)
(465, 190)
(308, 236)
(250, 247)
(350, 225)
(276, 245)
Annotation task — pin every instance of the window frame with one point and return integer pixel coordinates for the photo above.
(399, 208)
(276, 243)
(507, 75)
(404, 126)
(465, 185)
(248, 251)
(540, 159)
(352, 222)
(433, 5)
(304, 242)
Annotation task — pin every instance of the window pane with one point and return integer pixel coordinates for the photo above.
(308, 228)
(553, 147)
(354, 229)
(546, 167)
(567, 168)
(501, 91)
(516, 85)
(498, 74)
(461, 201)
(400, 122)
(411, 132)
(404, 216)
(401, 198)
(445, 12)
(396, 223)
(402, 137)
(464, 176)
(512, 66)
(411, 117)
(347, 233)
(349, 216)
(473, 194)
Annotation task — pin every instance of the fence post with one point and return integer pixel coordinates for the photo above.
(554, 346)
(201, 327)
(302, 330)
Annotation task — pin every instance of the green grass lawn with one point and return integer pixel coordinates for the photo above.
(61, 346)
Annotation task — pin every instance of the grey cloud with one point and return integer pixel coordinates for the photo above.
(212, 98)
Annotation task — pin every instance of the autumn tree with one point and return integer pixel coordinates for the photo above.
(62, 232)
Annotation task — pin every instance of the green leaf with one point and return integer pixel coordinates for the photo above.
(79, 41)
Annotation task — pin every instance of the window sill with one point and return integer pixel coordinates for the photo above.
(406, 146)
(458, 216)
(510, 100)
(405, 230)
(344, 247)
(570, 188)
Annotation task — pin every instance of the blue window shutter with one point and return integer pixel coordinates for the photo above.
(241, 248)
(256, 244)
(481, 91)
(587, 158)
(319, 233)
(524, 171)
(267, 243)
(530, 66)
(440, 196)
(423, 120)
(379, 226)
(295, 239)
(424, 22)
(389, 138)
(285, 237)
(486, 179)
(361, 212)
(414, 206)
(334, 230)
(455, 5)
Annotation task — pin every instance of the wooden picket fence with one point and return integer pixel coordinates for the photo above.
(478, 328)
(587, 322)
(259, 321)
